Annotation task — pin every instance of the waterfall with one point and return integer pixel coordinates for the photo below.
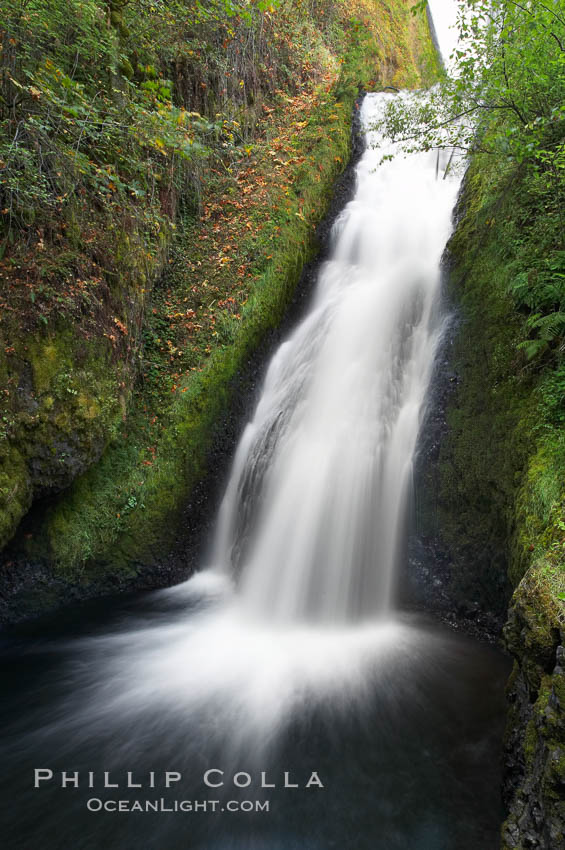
(313, 519)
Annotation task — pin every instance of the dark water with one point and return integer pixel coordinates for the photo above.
(404, 732)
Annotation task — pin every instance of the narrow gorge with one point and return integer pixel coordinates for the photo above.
(282, 453)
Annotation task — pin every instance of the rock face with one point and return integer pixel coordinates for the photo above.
(535, 737)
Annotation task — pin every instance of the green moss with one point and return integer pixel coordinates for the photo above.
(532, 630)
(530, 743)
(63, 405)
(543, 743)
(15, 490)
(540, 532)
(47, 359)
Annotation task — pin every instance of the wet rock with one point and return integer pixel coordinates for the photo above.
(534, 748)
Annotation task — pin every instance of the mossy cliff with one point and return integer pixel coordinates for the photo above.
(497, 493)
(67, 381)
(127, 357)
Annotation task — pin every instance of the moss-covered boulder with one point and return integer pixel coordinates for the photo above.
(535, 737)
(63, 396)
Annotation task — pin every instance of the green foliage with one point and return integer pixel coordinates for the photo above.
(506, 79)
(552, 391)
(503, 101)
(71, 123)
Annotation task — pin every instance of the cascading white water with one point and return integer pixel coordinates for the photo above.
(313, 515)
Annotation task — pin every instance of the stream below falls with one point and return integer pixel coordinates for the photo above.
(279, 699)
(401, 721)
